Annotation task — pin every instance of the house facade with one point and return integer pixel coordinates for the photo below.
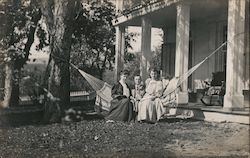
(193, 29)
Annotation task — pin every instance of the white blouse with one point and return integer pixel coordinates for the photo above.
(125, 89)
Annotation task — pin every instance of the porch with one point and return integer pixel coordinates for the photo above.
(199, 111)
(192, 30)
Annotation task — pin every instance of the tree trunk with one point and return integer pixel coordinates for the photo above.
(14, 101)
(60, 27)
(59, 83)
(7, 84)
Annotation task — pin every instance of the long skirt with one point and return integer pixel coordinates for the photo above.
(150, 110)
(120, 110)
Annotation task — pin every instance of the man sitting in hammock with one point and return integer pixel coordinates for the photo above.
(121, 108)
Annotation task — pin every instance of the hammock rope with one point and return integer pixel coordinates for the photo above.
(185, 76)
(97, 84)
(94, 82)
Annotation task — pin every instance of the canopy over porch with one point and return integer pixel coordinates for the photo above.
(162, 13)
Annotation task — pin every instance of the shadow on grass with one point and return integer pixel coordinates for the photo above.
(175, 119)
(35, 118)
(136, 154)
(94, 116)
(21, 119)
(25, 115)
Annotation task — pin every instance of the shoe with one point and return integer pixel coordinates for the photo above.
(110, 121)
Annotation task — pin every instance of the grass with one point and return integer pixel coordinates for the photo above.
(93, 137)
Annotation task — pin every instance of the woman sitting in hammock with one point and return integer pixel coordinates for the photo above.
(150, 108)
(121, 108)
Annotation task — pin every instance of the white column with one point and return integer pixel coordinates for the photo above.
(145, 47)
(247, 43)
(235, 55)
(182, 48)
(119, 5)
(119, 50)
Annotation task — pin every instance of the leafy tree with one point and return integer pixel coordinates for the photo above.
(133, 65)
(129, 38)
(94, 37)
(19, 23)
(156, 60)
(93, 48)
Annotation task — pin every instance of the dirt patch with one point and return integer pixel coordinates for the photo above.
(96, 138)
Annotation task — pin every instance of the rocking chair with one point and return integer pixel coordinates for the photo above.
(215, 91)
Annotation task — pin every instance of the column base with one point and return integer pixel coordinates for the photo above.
(182, 98)
(233, 102)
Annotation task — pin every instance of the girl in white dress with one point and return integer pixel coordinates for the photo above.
(150, 107)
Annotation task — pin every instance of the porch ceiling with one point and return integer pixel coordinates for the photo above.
(200, 9)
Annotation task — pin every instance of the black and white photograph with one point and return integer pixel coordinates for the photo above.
(124, 79)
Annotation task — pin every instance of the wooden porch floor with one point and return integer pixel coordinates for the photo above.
(200, 111)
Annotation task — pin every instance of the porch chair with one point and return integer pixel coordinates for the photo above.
(215, 91)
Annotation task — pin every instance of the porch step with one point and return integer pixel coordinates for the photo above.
(210, 114)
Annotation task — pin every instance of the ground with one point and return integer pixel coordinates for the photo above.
(96, 138)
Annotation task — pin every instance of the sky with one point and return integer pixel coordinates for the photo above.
(156, 41)
(40, 56)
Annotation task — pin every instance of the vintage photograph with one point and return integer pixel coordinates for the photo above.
(124, 78)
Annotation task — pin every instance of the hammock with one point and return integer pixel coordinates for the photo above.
(169, 94)
(103, 89)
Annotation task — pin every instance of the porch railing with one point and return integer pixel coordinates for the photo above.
(133, 5)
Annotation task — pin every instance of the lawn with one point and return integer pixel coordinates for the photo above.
(96, 138)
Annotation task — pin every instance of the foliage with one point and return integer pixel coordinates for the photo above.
(93, 48)
(20, 22)
(156, 60)
(32, 75)
(93, 39)
(20, 19)
(129, 38)
(133, 65)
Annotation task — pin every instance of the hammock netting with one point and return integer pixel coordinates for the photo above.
(95, 83)
(102, 89)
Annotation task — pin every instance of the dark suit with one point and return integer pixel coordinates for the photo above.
(117, 90)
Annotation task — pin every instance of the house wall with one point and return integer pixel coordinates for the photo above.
(168, 52)
(206, 36)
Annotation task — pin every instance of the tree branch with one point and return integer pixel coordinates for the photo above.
(31, 36)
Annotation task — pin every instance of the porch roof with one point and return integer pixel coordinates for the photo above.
(163, 12)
